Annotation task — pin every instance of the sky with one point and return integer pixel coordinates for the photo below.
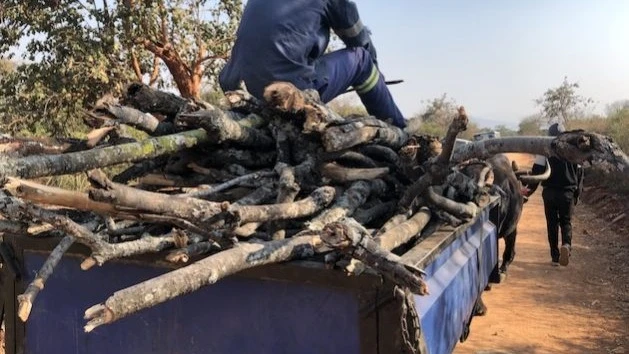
(495, 57)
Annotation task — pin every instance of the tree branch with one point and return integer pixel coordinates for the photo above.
(196, 275)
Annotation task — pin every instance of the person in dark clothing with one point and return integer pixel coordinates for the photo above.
(285, 40)
(561, 194)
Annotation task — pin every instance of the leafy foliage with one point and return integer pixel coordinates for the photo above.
(436, 118)
(505, 131)
(76, 51)
(531, 126)
(561, 104)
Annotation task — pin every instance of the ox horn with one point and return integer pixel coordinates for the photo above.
(526, 178)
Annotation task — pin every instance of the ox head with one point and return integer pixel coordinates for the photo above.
(530, 179)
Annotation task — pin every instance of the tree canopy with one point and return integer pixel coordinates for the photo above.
(561, 104)
(71, 52)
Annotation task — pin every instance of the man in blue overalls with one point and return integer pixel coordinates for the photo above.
(285, 40)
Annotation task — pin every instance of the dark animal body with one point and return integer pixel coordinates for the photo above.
(503, 181)
(511, 205)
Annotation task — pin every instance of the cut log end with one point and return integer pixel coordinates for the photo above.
(89, 263)
(25, 307)
(97, 316)
(336, 235)
(284, 96)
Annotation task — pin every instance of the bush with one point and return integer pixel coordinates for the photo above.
(613, 181)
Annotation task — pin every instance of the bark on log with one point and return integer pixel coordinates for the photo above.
(398, 231)
(436, 171)
(13, 227)
(288, 191)
(380, 153)
(339, 174)
(27, 299)
(402, 233)
(140, 169)
(97, 135)
(192, 209)
(42, 194)
(352, 158)
(367, 216)
(167, 180)
(246, 158)
(104, 251)
(319, 199)
(287, 98)
(458, 125)
(221, 128)
(573, 146)
(145, 122)
(349, 236)
(232, 183)
(25, 147)
(193, 250)
(355, 196)
(52, 165)
(393, 222)
(363, 131)
(16, 209)
(244, 102)
(149, 100)
(259, 196)
(464, 212)
(196, 275)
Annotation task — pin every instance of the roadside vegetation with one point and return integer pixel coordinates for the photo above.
(57, 60)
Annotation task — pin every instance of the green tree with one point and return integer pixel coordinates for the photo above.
(76, 51)
(436, 118)
(505, 131)
(619, 127)
(531, 125)
(561, 104)
(615, 107)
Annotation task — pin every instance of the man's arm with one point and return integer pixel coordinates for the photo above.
(346, 23)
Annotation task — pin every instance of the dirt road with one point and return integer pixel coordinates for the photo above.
(581, 308)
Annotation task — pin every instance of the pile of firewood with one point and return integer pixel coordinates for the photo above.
(219, 190)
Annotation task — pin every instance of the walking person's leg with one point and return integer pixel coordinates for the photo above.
(566, 208)
(552, 222)
(353, 67)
